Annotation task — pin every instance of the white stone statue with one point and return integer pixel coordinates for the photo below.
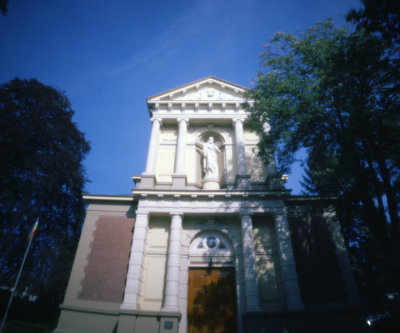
(210, 158)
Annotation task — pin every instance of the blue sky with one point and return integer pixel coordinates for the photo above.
(109, 56)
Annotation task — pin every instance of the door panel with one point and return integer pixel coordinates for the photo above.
(212, 300)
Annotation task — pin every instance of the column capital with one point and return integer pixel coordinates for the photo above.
(185, 119)
(235, 120)
(176, 213)
(141, 213)
(245, 214)
(281, 211)
(156, 119)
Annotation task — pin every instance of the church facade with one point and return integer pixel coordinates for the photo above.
(209, 240)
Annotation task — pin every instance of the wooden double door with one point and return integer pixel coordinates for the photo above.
(212, 300)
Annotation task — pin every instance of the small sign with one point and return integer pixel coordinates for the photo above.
(168, 325)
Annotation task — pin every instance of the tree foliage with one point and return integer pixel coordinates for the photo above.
(41, 175)
(379, 16)
(335, 94)
(4, 6)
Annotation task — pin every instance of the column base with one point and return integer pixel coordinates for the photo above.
(210, 184)
(148, 180)
(170, 323)
(243, 181)
(179, 181)
(170, 309)
(293, 301)
(255, 309)
(253, 321)
(275, 183)
(126, 323)
(295, 307)
(148, 321)
(128, 307)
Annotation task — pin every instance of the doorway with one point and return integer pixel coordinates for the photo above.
(212, 300)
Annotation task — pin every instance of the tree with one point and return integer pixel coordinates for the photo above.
(332, 93)
(379, 16)
(3, 6)
(41, 175)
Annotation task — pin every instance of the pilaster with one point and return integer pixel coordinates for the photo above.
(179, 177)
(250, 271)
(133, 279)
(242, 178)
(173, 265)
(288, 266)
(148, 177)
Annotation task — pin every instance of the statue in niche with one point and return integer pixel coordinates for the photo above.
(210, 158)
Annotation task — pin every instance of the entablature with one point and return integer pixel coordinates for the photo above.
(194, 118)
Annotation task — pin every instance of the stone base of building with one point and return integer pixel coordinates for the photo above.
(157, 322)
(327, 321)
(78, 320)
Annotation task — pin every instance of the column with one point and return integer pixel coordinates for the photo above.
(173, 265)
(181, 146)
(151, 157)
(240, 154)
(134, 275)
(250, 271)
(288, 266)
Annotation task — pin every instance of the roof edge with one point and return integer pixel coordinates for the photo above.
(105, 197)
(210, 77)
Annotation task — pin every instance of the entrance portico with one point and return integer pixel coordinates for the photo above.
(201, 215)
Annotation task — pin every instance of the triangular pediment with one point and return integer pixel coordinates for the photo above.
(209, 89)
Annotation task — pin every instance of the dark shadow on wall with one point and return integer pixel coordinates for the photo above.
(318, 269)
(267, 262)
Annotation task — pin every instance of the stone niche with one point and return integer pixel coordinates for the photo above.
(211, 162)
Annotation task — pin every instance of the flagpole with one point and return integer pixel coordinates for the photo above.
(19, 275)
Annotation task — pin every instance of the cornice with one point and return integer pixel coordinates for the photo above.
(310, 198)
(226, 117)
(216, 194)
(207, 79)
(104, 197)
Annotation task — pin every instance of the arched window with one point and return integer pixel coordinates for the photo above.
(211, 248)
